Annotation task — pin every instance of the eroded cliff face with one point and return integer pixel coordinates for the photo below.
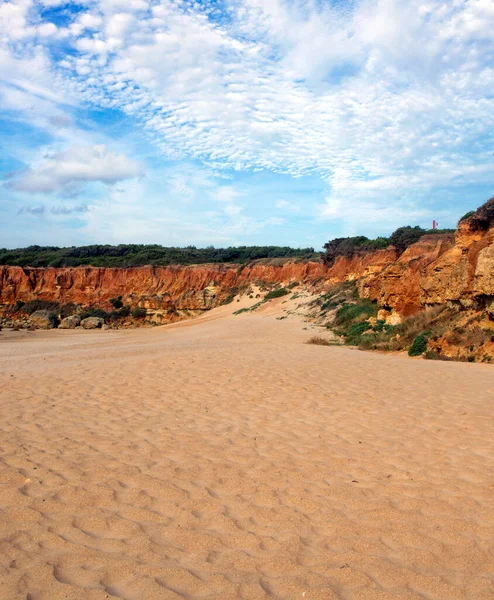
(170, 292)
(398, 285)
(439, 269)
(464, 275)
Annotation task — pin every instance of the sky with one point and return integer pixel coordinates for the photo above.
(232, 122)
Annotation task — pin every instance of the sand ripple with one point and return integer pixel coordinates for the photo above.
(229, 460)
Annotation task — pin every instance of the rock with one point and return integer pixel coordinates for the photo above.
(92, 323)
(394, 319)
(70, 322)
(44, 319)
(383, 314)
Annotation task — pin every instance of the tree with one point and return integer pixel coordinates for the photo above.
(406, 236)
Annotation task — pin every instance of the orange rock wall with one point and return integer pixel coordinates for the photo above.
(436, 270)
(160, 288)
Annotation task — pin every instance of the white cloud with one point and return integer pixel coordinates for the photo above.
(120, 219)
(69, 169)
(383, 99)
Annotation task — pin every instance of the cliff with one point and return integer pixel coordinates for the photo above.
(457, 270)
(168, 293)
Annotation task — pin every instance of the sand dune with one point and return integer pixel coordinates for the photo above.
(227, 459)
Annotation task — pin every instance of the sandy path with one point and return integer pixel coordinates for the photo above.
(228, 459)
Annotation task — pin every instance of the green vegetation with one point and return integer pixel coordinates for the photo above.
(33, 305)
(138, 313)
(466, 216)
(483, 217)
(404, 237)
(67, 310)
(419, 346)
(355, 320)
(348, 314)
(360, 245)
(277, 293)
(351, 246)
(248, 309)
(353, 336)
(122, 313)
(131, 255)
(354, 313)
(116, 302)
(18, 305)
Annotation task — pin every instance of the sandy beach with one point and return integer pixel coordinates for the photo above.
(225, 458)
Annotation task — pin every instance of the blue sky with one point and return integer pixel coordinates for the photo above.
(232, 122)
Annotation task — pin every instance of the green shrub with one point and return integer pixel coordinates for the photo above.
(121, 313)
(278, 293)
(68, 309)
(138, 313)
(354, 334)
(419, 346)
(116, 302)
(33, 305)
(379, 326)
(466, 216)
(18, 305)
(406, 236)
(129, 255)
(348, 314)
(351, 246)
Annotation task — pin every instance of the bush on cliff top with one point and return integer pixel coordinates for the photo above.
(483, 217)
(351, 246)
(130, 255)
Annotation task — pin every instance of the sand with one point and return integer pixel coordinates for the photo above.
(224, 458)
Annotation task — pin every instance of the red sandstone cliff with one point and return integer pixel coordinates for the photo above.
(438, 269)
(168, 290)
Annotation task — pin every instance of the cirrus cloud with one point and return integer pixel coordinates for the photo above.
(388, 102)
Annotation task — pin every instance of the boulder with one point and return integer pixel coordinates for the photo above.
(92, 323)
(44, 319)
(70, 322)
(394, 319)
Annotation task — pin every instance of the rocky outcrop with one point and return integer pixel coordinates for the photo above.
(70, 322)
(398, 284)
(464, 275)
(43, 319)
(92, 323)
